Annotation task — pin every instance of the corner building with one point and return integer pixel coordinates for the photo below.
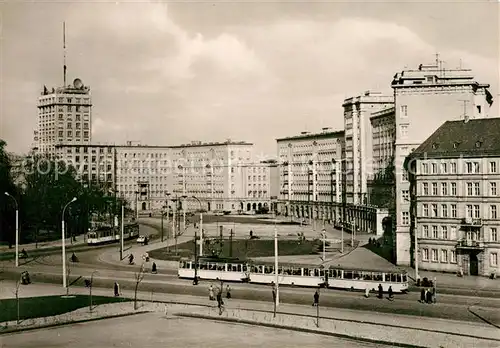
(424, 99)
(455, 198)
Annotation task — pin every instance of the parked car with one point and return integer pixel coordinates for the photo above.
(142, 240)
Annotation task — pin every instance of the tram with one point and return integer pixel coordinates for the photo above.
(294, 275)
(103, 235)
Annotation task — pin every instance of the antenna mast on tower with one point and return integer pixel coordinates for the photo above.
(466, 118)
(64, 52)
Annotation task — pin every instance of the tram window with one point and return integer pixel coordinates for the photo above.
(221, 267)
(357, 275)
(367, 276)
(316, 272)
(296, 271)
(280, 270)
(399, 278)
(347, 274)
(377, 277)
(268, 270)
(405, 279)
(305, 272)
(393, 277)
(321, 272)
(212, 267)
(335, 273)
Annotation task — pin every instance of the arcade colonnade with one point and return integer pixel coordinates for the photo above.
(367, 219)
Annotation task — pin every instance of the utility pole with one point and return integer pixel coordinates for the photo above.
(122, 230)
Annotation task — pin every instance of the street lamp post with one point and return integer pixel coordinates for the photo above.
(136, 205)
(90, 288)
(277, 299)
(122, 228)
(201, 225)
(64, 242)
(323, 232)
(17, 227)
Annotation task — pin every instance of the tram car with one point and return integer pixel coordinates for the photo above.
(104, 235)
(232, 270)
(295, 275)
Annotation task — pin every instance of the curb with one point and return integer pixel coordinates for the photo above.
(299, 329)
(71, 322)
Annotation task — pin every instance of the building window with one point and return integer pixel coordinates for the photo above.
(406, 218)
(444, 232)
(453, 210)
(425, 210)
(425, 168)
(469, 212)
(477, 211)
(425, 231)
(69, 133)
(444, 210)
(434, 189)
(61, 133)
(493, 211)
(453, 188)
(405, 195)
(404, 131)
(493, 234)
(404, 111)
(453, 232)
(453, 256)
(444, 168)
(494, 259)
(493, 188)
(493, 167)
(444, 255)
(435, 232)
(425, 189)
(434, 255)
(425, 254)
(477, 191)
(433, 168)
(434, 210)
(453, 168)
(469, 189)
(444, 189)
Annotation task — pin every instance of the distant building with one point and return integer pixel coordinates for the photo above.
(424, 99)
(358, 142)
(454, 198)
(224, 175)
(64, 117)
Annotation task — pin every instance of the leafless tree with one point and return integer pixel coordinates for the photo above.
(139, 276)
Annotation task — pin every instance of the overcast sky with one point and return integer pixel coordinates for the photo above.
(168, 74)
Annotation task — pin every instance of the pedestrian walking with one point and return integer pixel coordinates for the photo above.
(153, 268)
(428, 295)
(228, 292)
(380, 291)
(211, 293)
(367, 291)
(220, 302)
(391, 296)
(316, 298)
(422, 295)
(116, 288)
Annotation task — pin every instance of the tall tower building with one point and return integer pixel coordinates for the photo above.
(64, 114)
(64, 117)
(358, 142)
(425, 98)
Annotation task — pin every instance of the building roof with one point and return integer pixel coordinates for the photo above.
(455, 139)
(307, 135)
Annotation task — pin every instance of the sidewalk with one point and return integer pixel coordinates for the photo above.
(421, 331)
(80, 240)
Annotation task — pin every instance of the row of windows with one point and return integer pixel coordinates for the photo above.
(470, 167)
(450, 189)
(447, 256)
(450, 233)
(450, 210)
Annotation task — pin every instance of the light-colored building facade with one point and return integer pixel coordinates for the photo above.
(64, 117)
(222, 175)
(455, 198)
(358, 142)
(424, 99)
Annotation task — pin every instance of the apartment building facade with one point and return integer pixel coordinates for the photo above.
(425, 98)
(454, 198)
(64, 117)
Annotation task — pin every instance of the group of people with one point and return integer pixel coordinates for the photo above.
(373, 241)
(218, 297)
(428, 295)
(390, 292)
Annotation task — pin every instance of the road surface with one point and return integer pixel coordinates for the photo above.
(157, 330)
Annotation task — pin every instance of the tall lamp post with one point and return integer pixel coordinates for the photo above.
(17, 227)
(64, 242)
(201, 225)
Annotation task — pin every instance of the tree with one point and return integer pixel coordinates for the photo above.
(139, 276)
(7, 206)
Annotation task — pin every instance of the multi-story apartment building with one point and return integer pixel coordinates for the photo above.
(64, 117)
(383, 138)
(358, 142)
(454, 196)
(424, 99)
(222, 175)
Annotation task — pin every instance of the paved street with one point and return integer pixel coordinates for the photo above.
(157, 330)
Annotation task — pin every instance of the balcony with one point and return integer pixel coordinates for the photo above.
(468, 244)
(469, 222)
